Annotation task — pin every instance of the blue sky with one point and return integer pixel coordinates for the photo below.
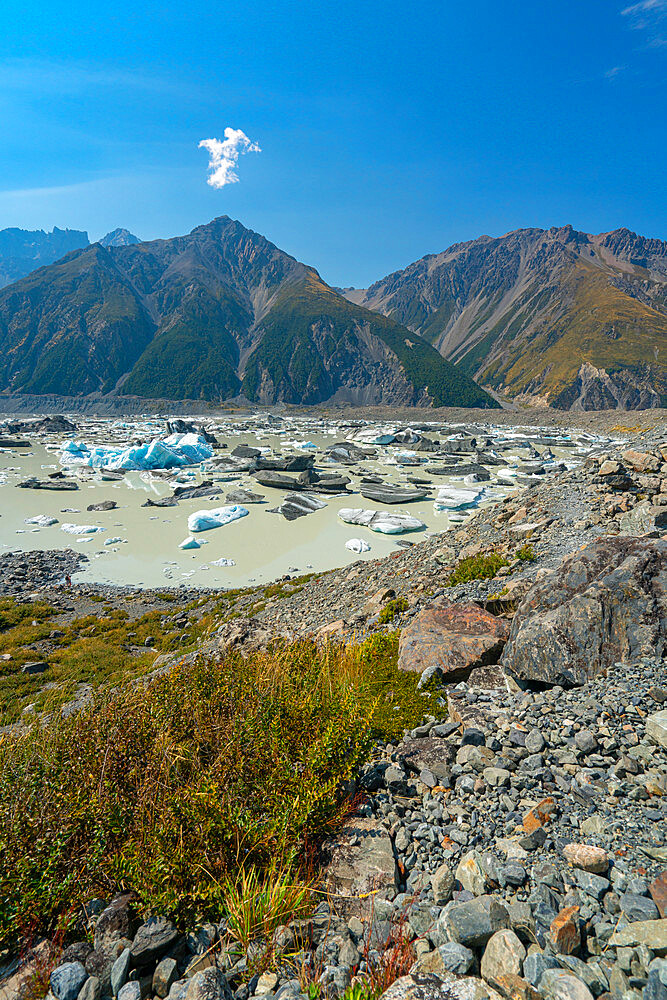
(388, 130)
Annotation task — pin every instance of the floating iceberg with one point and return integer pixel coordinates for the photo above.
(41, 520)
(171, 452)
(190, 543)
(204, 520)
(451, 498)
(80, 529)
(222, 562)
(357, 545)
(113, 541)
(381, 520)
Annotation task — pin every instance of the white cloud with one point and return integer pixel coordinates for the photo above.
(646, 12)
(612, 73)
(223, 155)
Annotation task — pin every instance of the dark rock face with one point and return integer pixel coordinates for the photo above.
(392, 494)
(603, 604)
(286, 463)
(452, 640)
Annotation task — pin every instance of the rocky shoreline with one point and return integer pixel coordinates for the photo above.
(513, 845)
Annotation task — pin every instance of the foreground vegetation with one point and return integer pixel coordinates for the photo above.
(174, 787)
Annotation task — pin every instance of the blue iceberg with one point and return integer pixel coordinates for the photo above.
(172, 452)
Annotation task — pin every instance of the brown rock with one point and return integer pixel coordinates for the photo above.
(455, 638)
(564, 931)
(539, 815)
(513, 987)
(587, 857)
(658, 890)
(641, 461)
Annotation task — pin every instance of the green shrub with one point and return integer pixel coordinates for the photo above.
(170, 787)
(393, 608)
(482, 567)
(526, 553)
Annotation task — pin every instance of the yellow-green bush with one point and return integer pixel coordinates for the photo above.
(481, 567)
(167, 788)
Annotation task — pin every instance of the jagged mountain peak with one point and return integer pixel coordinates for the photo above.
(119, 238)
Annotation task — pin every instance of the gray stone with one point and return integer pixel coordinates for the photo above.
(117, 921)
(119, 971)
(442, 883)
(534, 741)
(656, 727)
(591, 974)
(656, 983)
(473, 922)
(211, 984)
(652, 933)
(556, 984)
(503, 956)
(638, 907)
(91, 989)
(66, 980)
(153, 938)
(456, 958)
(444, 987)
(585, 741)
(362, 860)
(130, 991)
(165, 976)
(537, 964)
(470, 874)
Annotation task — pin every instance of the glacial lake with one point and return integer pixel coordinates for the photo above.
(263, 546)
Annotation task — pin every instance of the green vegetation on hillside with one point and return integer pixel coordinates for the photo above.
(166, 788)
(311, 332)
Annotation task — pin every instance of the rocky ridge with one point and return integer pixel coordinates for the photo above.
(513, 844)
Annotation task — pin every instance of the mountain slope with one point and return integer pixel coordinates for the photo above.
(552, 315)
(22, 251)
(209, 315)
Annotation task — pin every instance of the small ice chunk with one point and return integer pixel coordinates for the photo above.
(80, 529)
(357, 545)
(204, 520)
(112, 541)
(223, 562)
(41, 520)
(190, 543)
(387, 522)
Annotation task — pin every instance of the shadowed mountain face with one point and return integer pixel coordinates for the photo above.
(22, 251)
(553, 316)
(209, 316)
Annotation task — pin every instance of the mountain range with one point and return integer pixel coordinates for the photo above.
(23, 251)
(539, 316)
(549, 316)
(218, 313)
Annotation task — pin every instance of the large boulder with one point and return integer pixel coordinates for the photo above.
(451, 640)
(603, 604)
